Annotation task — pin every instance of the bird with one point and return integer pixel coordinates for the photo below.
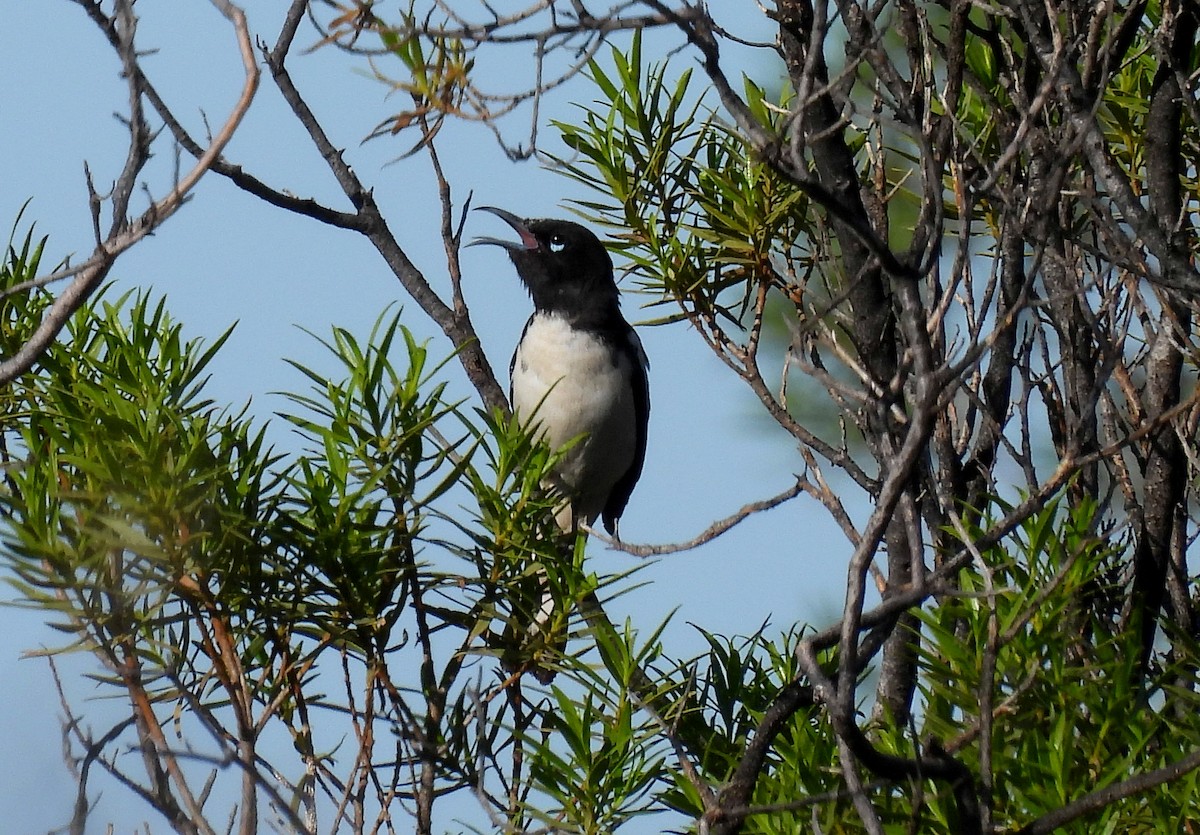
(579, 371)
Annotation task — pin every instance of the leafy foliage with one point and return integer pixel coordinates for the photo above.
(697, 215)
(212, 575)
(979, 235)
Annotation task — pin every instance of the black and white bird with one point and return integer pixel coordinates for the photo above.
(579, 370)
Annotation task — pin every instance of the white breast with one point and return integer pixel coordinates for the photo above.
(565, 382)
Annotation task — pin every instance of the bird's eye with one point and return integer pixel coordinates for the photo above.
(558, 243)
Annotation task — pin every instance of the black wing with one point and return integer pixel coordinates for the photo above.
(640, 380)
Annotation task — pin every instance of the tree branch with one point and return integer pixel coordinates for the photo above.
(125, 233)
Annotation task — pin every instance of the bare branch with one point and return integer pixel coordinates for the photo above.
(125, 233)
(710, 533)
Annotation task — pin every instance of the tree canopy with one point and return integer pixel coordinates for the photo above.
(949, 249)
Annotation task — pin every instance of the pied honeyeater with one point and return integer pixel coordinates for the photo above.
(579, 371)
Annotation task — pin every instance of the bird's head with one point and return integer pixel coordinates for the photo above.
(563, 265)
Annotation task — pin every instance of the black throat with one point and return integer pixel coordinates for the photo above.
(587, 298)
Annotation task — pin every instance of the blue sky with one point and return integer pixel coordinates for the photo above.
(228, 257)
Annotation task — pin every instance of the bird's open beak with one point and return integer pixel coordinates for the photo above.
(528, 241)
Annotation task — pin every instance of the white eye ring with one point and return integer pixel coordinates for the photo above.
(558, 243)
